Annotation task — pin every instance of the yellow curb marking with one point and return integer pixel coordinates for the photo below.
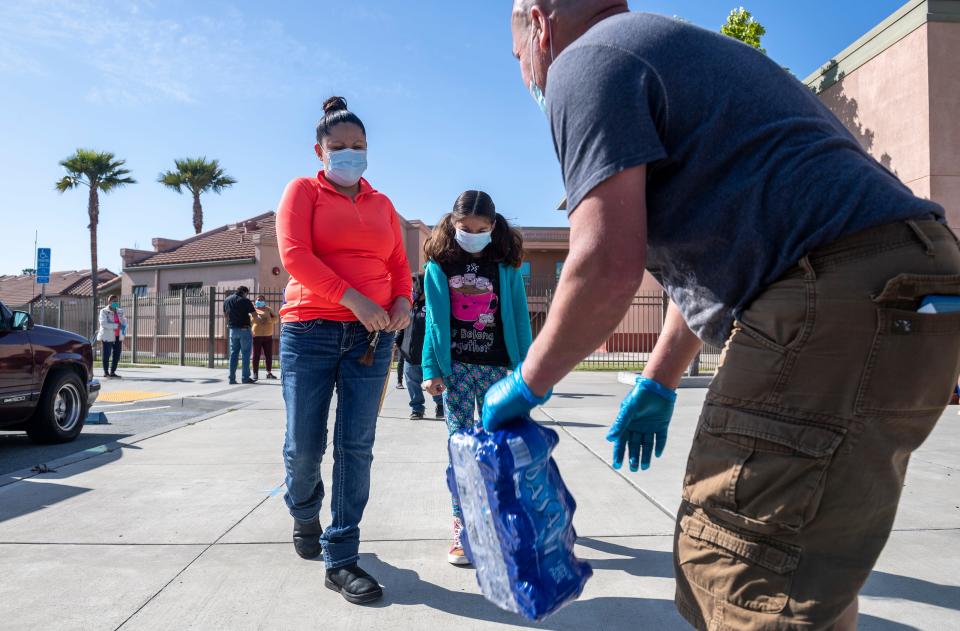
(127, 396)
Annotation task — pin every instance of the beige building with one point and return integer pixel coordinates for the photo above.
(897, 89)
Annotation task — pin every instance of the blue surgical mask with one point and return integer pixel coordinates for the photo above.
(114, 305)
(260, 303)
(474, 243)
(535, 91)
(346, 166)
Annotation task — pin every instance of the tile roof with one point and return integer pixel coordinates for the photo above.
(232, 242)
(21, 289)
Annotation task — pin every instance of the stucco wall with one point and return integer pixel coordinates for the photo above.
(885, 104)
(944, 56)
(224, 276)
(269, 256)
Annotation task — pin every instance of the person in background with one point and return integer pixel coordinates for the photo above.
(239, 310)
(111, 323)
(410, 343)
(477, 315)
(349, 291)
(264, 319)
(400, 364)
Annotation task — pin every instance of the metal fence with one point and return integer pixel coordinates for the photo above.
(189, 328)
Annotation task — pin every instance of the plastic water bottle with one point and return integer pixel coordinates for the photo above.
(518, 518)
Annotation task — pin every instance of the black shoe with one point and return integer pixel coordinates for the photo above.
(232, 382)
(270, 375)
(439, 412)
(306, 538)
(249, 381)
(115, 375)
(400, 385)
(355, 585)
(416, 416)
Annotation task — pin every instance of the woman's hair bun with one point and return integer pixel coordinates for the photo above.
(334, 104)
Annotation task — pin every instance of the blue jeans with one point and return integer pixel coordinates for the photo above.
(316, 357)
(241, 343)
(414, 376)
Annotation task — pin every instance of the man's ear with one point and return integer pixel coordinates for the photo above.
(318, 150)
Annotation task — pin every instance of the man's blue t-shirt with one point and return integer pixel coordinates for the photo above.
(747, 170)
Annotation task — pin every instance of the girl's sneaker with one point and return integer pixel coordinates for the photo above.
(456, 555)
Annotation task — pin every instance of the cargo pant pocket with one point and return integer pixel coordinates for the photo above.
(743, 570)
(763, 473)
(915, 358)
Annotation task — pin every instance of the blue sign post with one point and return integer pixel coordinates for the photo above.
(43, 266)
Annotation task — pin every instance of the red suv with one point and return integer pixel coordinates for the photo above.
(46, 379)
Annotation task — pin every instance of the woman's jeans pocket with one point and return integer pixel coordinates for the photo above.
(743, 569)
(914, 361)
(765, 474)
(299, 328)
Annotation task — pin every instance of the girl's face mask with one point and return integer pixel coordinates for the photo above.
(474, 243)
(260, 304)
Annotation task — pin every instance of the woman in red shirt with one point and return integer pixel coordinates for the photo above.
(350, 287)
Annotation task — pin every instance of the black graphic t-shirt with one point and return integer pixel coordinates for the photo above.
(476, 330)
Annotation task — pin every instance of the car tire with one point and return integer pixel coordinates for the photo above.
(61, 410)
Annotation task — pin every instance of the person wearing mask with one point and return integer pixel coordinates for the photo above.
(239, 310)
(478, 321)
(263, 321)
(776, 236)
(349, 291)
(410, 344)
(112, 323)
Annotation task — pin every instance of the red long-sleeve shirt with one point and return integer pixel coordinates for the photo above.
(329, 242)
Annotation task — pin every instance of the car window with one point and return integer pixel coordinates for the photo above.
(6, 316)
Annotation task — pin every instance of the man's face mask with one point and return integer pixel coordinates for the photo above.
(535, 90)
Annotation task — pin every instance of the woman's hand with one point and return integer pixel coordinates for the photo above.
(399, 314)
(435, 386)
(371, 316)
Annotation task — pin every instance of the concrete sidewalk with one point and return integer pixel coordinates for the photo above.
(187, 529)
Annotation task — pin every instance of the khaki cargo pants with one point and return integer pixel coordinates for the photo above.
(827, 385)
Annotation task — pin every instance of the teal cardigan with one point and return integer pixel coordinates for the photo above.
(514, 314)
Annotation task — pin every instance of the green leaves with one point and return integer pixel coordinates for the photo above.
(98, 169)
(197, 175)
(741, 25)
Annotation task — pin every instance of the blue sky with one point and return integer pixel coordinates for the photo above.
(242, 82)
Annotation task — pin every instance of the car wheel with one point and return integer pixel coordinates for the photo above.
(61, 411)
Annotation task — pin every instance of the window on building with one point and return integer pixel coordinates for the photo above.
(559, 269)
(525, 273)
(140, 290)
(190, 288)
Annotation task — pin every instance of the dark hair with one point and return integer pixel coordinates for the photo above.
(262, 296)
(335, 112)
(242, 289)
(113, 297)
(506, 245)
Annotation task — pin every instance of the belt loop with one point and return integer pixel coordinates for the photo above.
(924, 239)
(808, 271)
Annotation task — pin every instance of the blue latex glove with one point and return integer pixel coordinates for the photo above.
(642, 423)
(509, 399)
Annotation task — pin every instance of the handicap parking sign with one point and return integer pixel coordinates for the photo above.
(43, 266)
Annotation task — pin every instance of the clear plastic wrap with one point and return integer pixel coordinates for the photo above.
(518, 518)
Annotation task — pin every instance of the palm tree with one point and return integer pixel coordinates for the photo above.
(100, 171)
(197, 175)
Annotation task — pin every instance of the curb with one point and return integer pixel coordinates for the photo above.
(628, 378)
(92, 452)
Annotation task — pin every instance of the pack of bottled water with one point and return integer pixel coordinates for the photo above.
(518, 518)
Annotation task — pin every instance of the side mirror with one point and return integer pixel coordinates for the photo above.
(22, 321)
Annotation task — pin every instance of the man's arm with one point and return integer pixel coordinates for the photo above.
(608, 248)
(675, 349)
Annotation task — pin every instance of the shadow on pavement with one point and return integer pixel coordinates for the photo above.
(579, 395)
(637, 561)
(872, 623)
(883, 585)
(405, 587)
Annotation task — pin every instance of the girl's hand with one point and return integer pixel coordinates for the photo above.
(435, 386)
(399, 315)
(369, 313)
